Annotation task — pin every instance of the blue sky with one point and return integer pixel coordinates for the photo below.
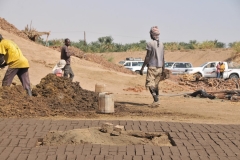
(128, 21)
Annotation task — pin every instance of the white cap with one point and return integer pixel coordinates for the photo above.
(60, 65)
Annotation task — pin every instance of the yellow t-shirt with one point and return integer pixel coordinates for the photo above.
(13, 55)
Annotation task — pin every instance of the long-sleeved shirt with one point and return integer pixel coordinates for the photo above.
(65, 54)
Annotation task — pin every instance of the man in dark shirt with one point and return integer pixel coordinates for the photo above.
(66, 55)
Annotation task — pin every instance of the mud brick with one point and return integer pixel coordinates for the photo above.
(32, 157)
(123, 123)
(90, 157)
(22, 157)
(40, 134)
(117, 157)
(139, 150)
(137, 158)
(39, 128)
(5, 135)
(122, 148)
(122, 153)
(128, 127)
(15, 128)
(14, 142)
(146, 157)
(95, 151)
(61, 149)
(32, 142)
(130, 150)
(70, 148)
(166, 150)
(61, 157)
(127, 157)
(80, 157)
(107, 127)
(54, 127)
(95, 123)
(174, 157)
(78, 150)
(193, 153)
(43, 149)
(148, 150)
(112, 153)
(30, 134)
(135, 128)
(166, 157)
(86, 151)
(62, 128)
(157, 150)
(113, 148)
(108, 157)
(181, 135)
(34, 150)
(69, 128)
(46, 128)
(183, 151)
(174, 150)
(143, 128)
(104, 150)
(129, 122)
(50, 153)
(71, 157)
(156, 157)
(42, 157)
(6, 152)
(99, 157)
(222, 158)
(5, 142)
(51, 157)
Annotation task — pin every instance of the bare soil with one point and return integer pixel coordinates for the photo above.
(129, 104)
(95, 136)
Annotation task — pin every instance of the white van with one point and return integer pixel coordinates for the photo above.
(135, 66)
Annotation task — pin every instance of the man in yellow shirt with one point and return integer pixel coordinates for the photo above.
(222, 69)
(11, 55)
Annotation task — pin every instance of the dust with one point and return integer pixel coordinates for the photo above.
(95, 136)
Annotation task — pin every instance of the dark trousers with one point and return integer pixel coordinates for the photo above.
(68, 71)
(22, 74)
(221, 74)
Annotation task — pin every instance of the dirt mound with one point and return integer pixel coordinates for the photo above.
(94, 136)
(96, 59)
(11, 28)
(54, 96)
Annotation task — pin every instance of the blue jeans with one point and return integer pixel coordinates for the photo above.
(218, 74)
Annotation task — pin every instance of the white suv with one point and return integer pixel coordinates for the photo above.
(135, 66)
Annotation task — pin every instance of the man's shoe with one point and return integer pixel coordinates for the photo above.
(154, 104)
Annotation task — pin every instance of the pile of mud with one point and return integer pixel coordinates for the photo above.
(5, 25)
(96, 59)
(54, 96)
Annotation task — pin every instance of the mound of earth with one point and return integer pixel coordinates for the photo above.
(54, 96)
(94, 136)
(5, 25)
(96, 59)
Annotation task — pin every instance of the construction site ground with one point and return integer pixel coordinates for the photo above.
(198, 128)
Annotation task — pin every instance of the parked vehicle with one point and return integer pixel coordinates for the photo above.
(209, 69)
(178, 67)
(135, 66)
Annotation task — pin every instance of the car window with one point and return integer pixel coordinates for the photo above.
(140, 63)
(127, 64)
(134, 63)
(188, 65)
(168, 64)
(176, 65)
(210, 65)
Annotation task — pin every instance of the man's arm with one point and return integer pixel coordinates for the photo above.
(2, 61)
(146, 61)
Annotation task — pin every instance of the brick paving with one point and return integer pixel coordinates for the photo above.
(18, 139)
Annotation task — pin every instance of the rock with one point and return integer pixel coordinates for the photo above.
(115, 133)
(118, 128)
(107, 128)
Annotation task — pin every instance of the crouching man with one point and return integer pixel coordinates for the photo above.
(11, 55)
(155, 62)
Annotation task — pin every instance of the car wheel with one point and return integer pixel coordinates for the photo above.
(233, 76)
(138, 72)
(198, 75)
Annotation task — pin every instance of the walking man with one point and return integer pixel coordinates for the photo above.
(218, 70)
(155, 62)
(66, 55)
(11, 55)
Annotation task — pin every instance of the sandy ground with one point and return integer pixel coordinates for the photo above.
(42, 60)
